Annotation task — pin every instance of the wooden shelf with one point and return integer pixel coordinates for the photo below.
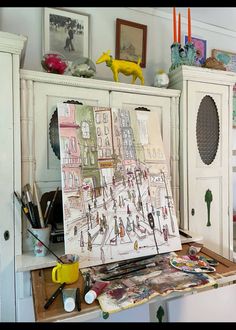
(28, 261)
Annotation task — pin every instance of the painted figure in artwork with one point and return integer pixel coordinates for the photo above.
(165, 232)
(90, 246)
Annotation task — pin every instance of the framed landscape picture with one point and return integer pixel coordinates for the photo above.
(229, 61)
(200, 45)
(227, 58)
(131, 41)
(66, 32)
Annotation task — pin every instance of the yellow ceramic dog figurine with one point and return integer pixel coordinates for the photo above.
(125, 67)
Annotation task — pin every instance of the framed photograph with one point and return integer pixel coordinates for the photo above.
(229, 59)
(66, 32)
(201, 50)
(131, 41)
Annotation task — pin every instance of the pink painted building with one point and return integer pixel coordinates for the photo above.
(70, 154)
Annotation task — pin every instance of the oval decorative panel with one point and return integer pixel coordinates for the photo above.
(207, 130)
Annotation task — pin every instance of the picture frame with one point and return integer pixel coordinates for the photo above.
(66, 32)
(229, 61)
(227, 58)
(201, 49)
(131, 41)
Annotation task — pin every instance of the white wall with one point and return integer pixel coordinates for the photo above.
(28, 21)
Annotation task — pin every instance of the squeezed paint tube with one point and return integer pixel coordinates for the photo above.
(68, 296)
(95, 291)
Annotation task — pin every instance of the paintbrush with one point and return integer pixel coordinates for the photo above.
(24, 207)
(39, 206)
(49, 209)
(120, 265)
(30, 205)
(119, 275)
(127, 267)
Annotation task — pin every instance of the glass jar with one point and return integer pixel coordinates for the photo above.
(54, 63)
(83, 67)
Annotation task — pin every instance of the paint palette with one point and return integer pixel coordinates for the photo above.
(191, 266)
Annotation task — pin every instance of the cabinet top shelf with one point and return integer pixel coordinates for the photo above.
(67, 80)
(195, 73)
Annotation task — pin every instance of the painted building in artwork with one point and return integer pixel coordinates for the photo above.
(70, 155)
(103, 129)
(105, 147)
(151, 155)
(88, 147)
(119, 169)
(129, 154)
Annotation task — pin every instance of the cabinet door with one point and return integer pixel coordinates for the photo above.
(208, 157)
(46, 97)
(153, 103)
(8, 165)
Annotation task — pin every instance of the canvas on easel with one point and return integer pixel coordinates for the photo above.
(117, 200)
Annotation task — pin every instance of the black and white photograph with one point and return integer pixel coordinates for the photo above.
(66, 32)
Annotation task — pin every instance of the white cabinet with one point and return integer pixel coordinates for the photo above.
(40, 93)
(205, 154)
(10, 168)
(209, 306)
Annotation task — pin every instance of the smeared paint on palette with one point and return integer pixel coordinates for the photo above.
(191, 266)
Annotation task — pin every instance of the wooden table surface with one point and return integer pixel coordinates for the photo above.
(43, 288)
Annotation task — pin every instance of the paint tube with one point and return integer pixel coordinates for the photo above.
(68, 296)
(95, 291)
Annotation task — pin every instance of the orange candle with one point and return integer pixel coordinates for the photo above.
(179, 29)
(189, 26)
(174, 25)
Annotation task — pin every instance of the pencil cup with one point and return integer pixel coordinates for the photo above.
(67, 272)
(44, 235)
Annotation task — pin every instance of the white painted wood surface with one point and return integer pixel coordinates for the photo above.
(214, 176)
(216, 305)
(10, 167)
(195, 176)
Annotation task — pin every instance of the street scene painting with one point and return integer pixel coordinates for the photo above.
(117, 200)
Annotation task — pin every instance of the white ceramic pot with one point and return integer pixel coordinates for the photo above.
(161, 79)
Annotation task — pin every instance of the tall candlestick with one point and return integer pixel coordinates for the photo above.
(189, 26)
(179, 29)
(174, 25)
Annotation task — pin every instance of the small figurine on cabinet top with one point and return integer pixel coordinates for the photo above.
(161, 79)
(125, 67)
(213, 63)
